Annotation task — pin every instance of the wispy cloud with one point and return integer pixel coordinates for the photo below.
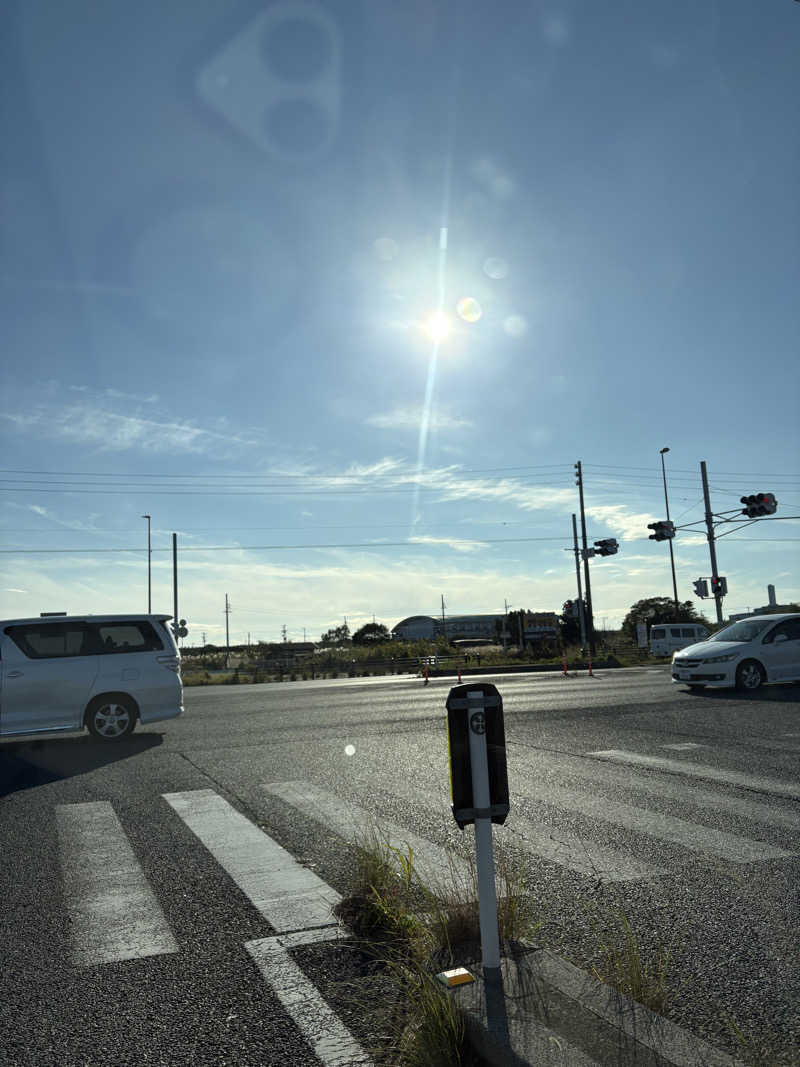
(110, 430)
(410, 418)
(456, 543)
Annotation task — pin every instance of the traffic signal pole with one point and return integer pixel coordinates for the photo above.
(710, 535)
(590, 619)
(578, 575)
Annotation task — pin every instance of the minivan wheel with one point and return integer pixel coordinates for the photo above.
(111, 718)
(750, 675)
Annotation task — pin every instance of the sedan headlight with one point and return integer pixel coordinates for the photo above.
(721, 659)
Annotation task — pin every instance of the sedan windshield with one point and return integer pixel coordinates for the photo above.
(744, 630)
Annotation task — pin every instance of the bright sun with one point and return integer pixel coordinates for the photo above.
(437, 326)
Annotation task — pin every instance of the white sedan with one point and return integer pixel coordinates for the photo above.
(748, 654)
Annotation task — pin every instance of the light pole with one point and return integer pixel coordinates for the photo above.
(149, 557)
(671, 555)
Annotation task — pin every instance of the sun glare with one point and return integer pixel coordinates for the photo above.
(437, 326)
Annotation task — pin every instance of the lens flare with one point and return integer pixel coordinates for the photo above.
(496, 267)
(349, 750)
(469, 309)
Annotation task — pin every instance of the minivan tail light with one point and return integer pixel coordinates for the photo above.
(172, 663)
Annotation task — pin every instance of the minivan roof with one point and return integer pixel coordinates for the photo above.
(57, 619)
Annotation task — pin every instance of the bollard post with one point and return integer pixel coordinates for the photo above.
(484, 855)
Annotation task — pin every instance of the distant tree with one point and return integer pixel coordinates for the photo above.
(338, 635)
(371, 633)
(657, 609)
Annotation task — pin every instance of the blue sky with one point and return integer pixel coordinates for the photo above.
(227, 229)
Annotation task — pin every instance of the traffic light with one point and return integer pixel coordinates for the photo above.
(664, 530)
(758, 504)
(607, 547)
(701, 588)
(719, 586)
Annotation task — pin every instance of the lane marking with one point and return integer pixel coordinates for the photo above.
(680, 792)
(436, 865)
(331, 1041)
(288, 895)
(684, 746)
(114, 914)
(669, 828)
(700, 770)
(351, 821)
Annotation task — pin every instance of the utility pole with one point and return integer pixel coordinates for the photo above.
(175, 583)
(227, 632)
(671, 553)
(444, 631)
(204, 639)
(710, 535)
(149, 558)
(283, 633)
(578, 576)
(505, 629)
(590, 619)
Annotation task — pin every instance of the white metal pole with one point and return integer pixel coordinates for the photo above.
(484, 856)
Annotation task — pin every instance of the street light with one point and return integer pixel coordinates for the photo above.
(671, 554)
(149, 556)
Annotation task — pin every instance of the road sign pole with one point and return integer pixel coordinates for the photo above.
(484, 856)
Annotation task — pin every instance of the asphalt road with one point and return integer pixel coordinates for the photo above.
(628, 794)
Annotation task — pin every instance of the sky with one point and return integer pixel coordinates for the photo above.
(339, 293)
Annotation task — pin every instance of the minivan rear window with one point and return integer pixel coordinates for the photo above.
(675, 631)
(688, 631)
(658, 634)
(127, 637)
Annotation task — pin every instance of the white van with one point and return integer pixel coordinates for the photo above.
(669, 637)
(102, 672)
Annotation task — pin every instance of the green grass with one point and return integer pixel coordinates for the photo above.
(416, 930)
(627, 968)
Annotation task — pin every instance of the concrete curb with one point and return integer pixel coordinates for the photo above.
(555, 1013)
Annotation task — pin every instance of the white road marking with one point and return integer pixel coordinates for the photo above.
(436, 865)
(700, 770)
(684, 746)
(331, 1041)
(113, 911)
(680, 792)
(289, 896)
(349, 821)
(688, 835)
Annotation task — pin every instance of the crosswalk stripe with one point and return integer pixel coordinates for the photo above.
(288, 895)
(114, 914)
(433, 863)
(680, 792)
(669, 828)
(701, 770)
(353, 822)
(332, 1042)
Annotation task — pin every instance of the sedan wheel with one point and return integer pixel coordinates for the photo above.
(111, 720)
(750, 675)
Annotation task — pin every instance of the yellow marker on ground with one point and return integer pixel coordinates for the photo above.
(458, 976)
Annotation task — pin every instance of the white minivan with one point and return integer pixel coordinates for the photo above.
(102, 672)
(669, 637)
(748, 654)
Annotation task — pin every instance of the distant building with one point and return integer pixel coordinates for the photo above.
(539, 625)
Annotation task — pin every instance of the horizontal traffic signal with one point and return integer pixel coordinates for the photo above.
(664, 530)
(607, 547)
(758, 504)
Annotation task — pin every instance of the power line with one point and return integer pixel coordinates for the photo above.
(419, 543)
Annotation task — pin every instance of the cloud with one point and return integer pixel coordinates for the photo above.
(410, 418)
(108, 430)
(631, 526)
(458, 544)
(15, 590)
